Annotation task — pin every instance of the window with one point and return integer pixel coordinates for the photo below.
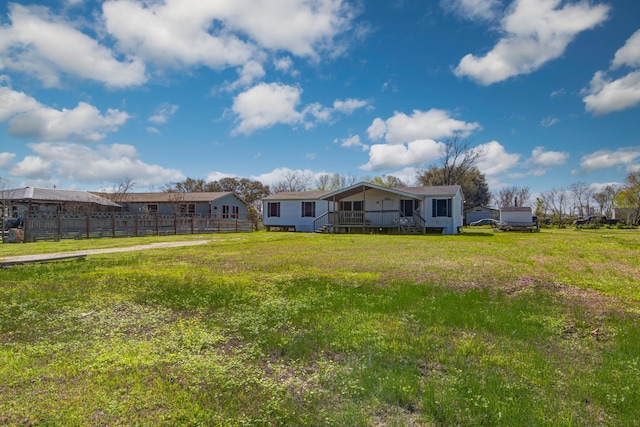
(408, 206)
(309, 209)
(273, 209)
(357, 205)
(188, 208)
(441, 207)
(230, 211)
(152, 208)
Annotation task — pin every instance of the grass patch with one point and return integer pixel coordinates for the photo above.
(302, 329)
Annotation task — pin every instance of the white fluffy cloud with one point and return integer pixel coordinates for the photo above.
(472, 9)
(353, 141)
(268, 104)
(6, 159)
(394, 156)
(541, 157)
(45, 46)
(496, 160)
(411, 140)
(265, 105)
(629, 54)
(606, 95)
(536, 32)
(80, 163)
(28, 118)
(224, 32)
(604, 159)
(163, 113)
(279, 174)
(421, 125)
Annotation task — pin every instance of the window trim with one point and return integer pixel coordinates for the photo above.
(436, 208)
(273, 209)
(308, 209)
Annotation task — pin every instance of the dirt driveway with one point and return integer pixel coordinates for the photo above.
(7, 261)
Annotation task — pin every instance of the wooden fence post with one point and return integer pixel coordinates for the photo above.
(58, 226)
(88, 231)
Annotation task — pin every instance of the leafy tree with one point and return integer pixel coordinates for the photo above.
(629, 196)
(473, 183)
(189, 185)
(459, 163)
(388, 181)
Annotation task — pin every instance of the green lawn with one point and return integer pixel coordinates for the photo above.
(304, 329)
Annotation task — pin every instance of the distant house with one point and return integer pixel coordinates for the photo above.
(367, 208)
(18, 202)
(226, 205)
(480, 212)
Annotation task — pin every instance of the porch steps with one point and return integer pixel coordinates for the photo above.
(324, 229)
(411, 229)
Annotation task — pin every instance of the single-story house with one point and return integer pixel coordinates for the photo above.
(226, 204)
(20, 201)
(367, 208)
(480, 212)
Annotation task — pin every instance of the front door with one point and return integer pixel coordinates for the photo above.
(408, 206)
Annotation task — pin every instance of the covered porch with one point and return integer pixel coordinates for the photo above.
(368, 208)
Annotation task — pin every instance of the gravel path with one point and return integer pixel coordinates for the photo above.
(79, 254)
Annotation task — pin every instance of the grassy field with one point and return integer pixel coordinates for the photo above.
(304, 329)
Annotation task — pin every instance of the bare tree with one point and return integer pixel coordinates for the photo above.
(459, 167)
(604, 199)
(458, 158)
(513, 196)
(124, 187)
(336, 181)
(556, 200)
(582, 193)
(293, 181)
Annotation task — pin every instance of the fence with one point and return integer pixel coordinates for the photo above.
(80, 225)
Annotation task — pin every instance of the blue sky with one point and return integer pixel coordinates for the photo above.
(93, 92)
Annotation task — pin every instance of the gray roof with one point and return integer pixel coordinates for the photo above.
(52, 195)
(174, 197)
(434, 190)
(297, 195)
(441, 190)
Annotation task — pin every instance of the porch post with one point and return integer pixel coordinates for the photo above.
(364, 206)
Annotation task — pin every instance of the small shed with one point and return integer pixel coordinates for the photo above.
(517, 219)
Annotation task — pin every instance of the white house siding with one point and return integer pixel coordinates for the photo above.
(291, 214)
(516, 215)
(449, 225)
